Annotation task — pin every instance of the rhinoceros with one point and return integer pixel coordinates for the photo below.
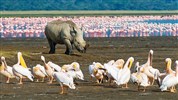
(65, 32)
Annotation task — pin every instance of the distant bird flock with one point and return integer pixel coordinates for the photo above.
(101, 26)
(113, 72)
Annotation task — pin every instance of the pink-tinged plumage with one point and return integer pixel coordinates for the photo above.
(48, 69)
(6, 70)
(170, 81)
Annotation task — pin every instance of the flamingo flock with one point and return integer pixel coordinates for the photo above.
(101, 26)
(113, 72)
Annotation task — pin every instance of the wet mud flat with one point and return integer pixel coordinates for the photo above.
(101, 50)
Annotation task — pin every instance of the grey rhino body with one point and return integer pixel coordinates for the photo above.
(64, 32)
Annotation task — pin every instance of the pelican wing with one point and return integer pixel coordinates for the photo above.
(112, 71)
(91, 68)
(38, 73)
(65, 79)
(55, 66)
(79, 75)
(144, 80)
(168, 81)
(67, 67)
(133, 78)
(23, 71)
(42, 69)
(9, 69)
(124, 76)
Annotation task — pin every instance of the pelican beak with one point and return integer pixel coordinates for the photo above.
(130, 63)
(168, 65)
(74, 66)
(22, 62)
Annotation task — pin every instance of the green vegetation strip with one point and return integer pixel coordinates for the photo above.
(82, 13)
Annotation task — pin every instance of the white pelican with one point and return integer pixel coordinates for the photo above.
(93, 66)
(99, 74)
(160, 76)
(124, 76)
(55, 66)
(148, 69)
(168, 68)
(170, 81)
(140, 78)
(93, 70)
(72, 66)
(112, 72)
(48, 70)
(39, 72)
(65, 80)
(21, 71)
(149, 60)
(151, 73)
(75, 66)
(6, 70)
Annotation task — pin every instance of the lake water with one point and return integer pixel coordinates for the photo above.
(162, 21)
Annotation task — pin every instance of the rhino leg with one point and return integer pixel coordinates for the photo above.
(68, 47)
(52, 46)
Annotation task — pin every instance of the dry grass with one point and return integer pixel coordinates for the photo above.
(84, 13)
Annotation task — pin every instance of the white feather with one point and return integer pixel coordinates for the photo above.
(170, 80)
(23, 71)
(112, 72)
(42, 69)
(65, 79)
(91, 68)
(55, 66)
(125, 73)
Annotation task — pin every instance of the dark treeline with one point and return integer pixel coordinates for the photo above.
(88, 5)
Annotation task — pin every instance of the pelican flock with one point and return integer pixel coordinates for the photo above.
(117, 72)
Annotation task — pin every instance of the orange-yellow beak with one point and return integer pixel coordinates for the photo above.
(22, 62)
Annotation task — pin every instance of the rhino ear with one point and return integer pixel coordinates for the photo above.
(74, 31)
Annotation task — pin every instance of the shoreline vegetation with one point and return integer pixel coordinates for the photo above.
(86, 13)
